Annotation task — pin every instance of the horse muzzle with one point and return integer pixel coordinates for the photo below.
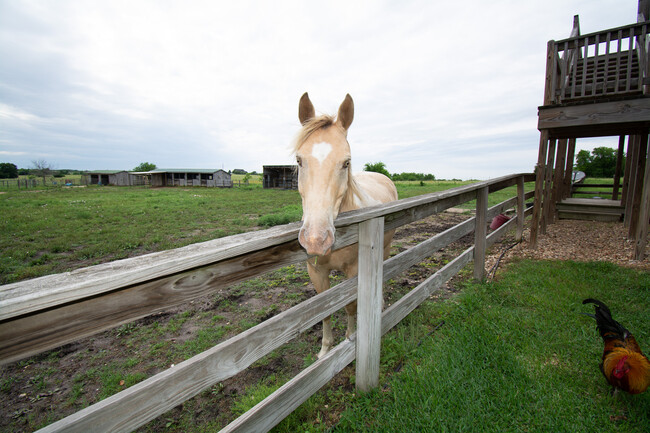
(316, 241)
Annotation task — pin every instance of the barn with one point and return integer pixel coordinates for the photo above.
(190, 177)
(112, 177)
(281, 176)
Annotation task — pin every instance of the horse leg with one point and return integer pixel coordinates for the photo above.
(351, 271)
(321, 279)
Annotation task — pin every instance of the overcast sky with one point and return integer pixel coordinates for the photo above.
(449, 88)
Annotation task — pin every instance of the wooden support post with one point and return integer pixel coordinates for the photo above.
(558, 178)
(568, 169)
(636, 193)
(644, 209)
(480, 232)
(626, 172)
(548, 180)
(369, 302)
(619, 166)
(539, 186)
(633, 155)
(520, 208)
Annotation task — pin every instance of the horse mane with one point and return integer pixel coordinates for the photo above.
(321, 122)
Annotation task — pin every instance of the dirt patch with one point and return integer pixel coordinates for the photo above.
(582, 241)
(40, 390)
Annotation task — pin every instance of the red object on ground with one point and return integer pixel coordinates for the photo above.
(498, 221)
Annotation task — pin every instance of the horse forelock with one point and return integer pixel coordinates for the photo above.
(311, 126)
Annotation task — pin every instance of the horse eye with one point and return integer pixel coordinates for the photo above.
(299, 161)
(346, 164)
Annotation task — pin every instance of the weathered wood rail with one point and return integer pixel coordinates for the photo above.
(46, 312)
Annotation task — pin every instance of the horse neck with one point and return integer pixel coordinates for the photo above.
(353, 196)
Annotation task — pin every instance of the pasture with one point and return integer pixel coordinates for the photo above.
(45, 231)
(130, 353)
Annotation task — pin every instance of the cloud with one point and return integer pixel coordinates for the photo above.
(439, 87)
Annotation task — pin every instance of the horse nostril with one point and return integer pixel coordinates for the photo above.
(318, 243)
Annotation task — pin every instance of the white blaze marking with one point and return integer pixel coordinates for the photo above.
(320, 151)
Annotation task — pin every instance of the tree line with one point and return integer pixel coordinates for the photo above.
(600, 162)
(380, 167)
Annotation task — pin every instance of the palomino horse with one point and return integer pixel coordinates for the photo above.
(327, 187)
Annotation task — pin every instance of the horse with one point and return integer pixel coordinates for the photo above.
(328, 187)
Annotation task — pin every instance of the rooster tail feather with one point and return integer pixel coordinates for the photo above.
(599, 304)
(607, 326)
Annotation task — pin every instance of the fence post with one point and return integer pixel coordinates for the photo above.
(520, 208)
(369, 302)
(480, 233)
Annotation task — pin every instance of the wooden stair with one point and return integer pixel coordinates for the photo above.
(590, 209)
(615, 73)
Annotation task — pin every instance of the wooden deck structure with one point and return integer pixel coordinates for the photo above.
(597, 85)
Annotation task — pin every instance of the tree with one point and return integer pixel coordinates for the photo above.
(600, 163)
(377, 167)
(8, 170)
(42, 168)
(145, 166)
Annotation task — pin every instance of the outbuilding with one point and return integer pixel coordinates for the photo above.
(112, 177)
(281, 176)
(190, 177)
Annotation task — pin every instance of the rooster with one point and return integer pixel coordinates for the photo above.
(624, 366)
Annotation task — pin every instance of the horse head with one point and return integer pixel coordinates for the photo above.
(324, 172)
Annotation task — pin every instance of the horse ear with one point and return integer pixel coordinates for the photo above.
(306, 110)
(346, 112)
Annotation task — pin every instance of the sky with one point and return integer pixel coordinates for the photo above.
(448, 88)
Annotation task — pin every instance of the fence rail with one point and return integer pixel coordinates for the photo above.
(597, 189)
(46, 312)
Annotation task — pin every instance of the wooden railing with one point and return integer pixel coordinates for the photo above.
(607, 63)
(595, 189)
(46, 312)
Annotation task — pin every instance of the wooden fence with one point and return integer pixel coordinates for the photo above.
(46, 312)
(34, 182)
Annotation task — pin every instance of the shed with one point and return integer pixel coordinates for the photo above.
(190, 177)
(112, 177)
(281, 176)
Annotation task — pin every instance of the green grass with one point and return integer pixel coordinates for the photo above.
(512, 356)
(56, 230)
(606, 192)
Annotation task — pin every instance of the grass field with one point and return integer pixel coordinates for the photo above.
(512, 355)
(57, 229)
(603, 192)
(44, 231)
